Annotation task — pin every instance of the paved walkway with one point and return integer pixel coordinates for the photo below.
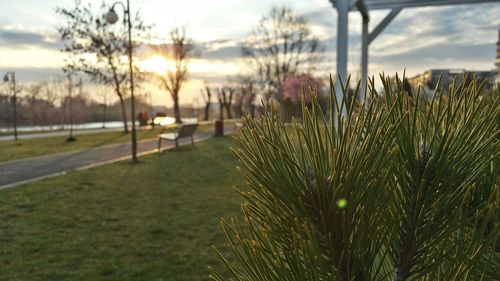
(17, 172)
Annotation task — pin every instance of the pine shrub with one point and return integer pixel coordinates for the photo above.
(400, 186)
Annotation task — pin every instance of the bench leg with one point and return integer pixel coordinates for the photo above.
(159, 144)
(176, 144)
(192, 140)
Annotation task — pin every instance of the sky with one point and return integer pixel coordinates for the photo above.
(459, 36)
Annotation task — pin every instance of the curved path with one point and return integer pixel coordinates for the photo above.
(17, 172)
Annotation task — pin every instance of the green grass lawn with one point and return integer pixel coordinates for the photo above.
(155, 220)
(10, 133)
(12, 150)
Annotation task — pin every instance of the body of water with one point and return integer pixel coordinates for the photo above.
(82, 126)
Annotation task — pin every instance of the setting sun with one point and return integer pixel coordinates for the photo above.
(156, 64)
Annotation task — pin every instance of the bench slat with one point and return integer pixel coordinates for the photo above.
(168, 136)
(187, 130)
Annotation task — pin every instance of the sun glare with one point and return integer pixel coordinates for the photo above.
(156, 64)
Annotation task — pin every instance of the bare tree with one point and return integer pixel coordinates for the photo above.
(97, 48)
(281, 44)
(225, 97)
(4, 106)
(246, 96)
(220, 99)
(180, 51)
(50, 94)
(60, 87)
(228, 100)
(36, 104)
(239, 101)
(105, 102)
(207, 98)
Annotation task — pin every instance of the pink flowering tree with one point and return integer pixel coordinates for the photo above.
(292, 88)
(292, 92)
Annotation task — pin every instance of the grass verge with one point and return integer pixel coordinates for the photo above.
(155, 220)
(14, 150)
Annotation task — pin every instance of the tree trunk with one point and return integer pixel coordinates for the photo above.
(402, 268)
(228, 110)
(403, 265)
(124, 115)
(221, 111)
(239, 110)
(252, 106)
(177, 112)
(401, 275)
(104, 116)
(207, 109)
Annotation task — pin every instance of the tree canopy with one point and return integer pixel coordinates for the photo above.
(98, 48)
(281, 44)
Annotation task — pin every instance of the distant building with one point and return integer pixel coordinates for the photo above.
(430, 78)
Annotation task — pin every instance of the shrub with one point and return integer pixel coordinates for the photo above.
(403, 187)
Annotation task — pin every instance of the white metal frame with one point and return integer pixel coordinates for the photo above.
(364, 6)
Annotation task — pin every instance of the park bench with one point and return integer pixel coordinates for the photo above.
(184, 131)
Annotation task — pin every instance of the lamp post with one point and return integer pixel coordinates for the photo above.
(112, 17)
(11, 76)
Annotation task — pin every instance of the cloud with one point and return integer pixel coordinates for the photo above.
(419, 38)
(321, 17)
(438, 55)
(222, 53)
(220, 49)
(209, 78)
(461, 36)
(25, 39)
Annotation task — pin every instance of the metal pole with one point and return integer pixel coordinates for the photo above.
(364, 58)
(15, 103)
(70, 92)
(70, 109)
(384, 23)
(134, 136)
(342, 43)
